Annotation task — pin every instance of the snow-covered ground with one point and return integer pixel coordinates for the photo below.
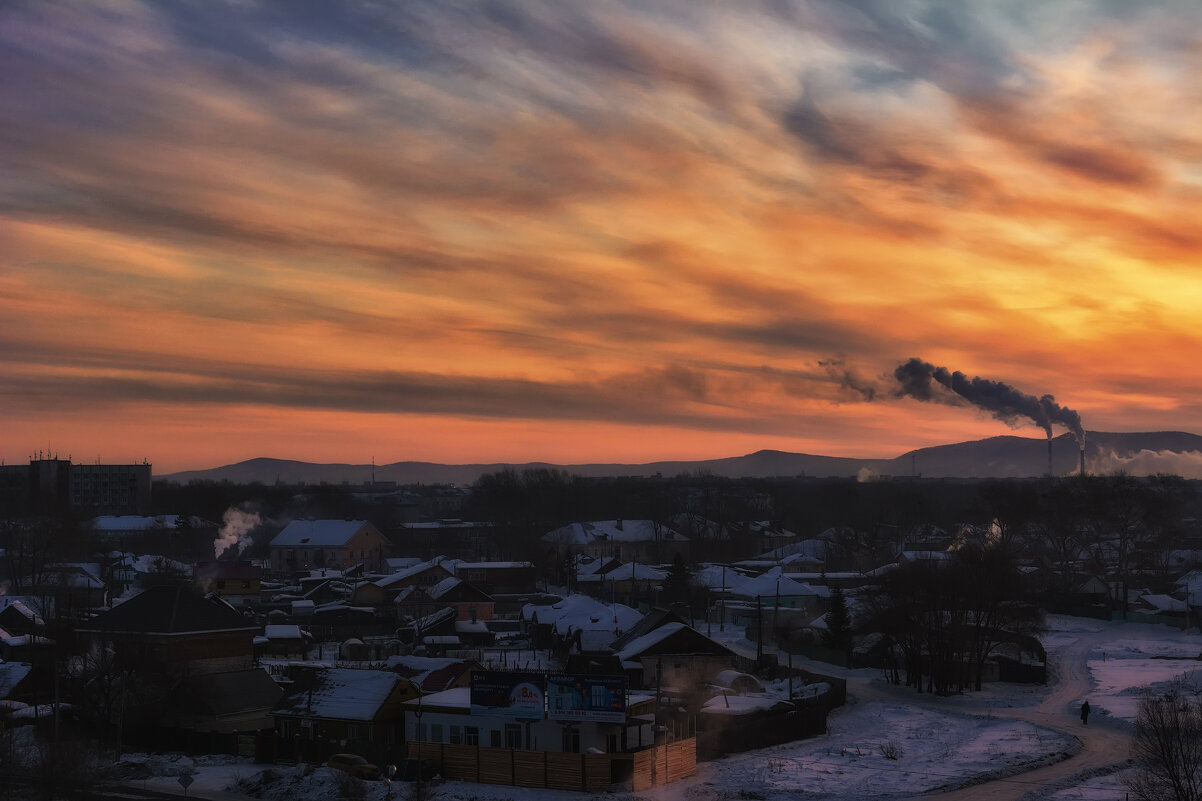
(885, 743)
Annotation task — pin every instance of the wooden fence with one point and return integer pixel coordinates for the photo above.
(593, 773)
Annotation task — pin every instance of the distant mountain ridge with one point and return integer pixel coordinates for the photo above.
(996, 457)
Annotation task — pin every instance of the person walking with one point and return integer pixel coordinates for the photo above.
(1085, 713)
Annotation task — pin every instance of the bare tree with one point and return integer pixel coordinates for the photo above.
(1168, 747)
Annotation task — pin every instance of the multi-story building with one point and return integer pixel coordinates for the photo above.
(50, 485)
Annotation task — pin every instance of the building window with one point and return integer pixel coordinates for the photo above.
(613, 743)
(436, 732)
(494, 738)
(571, 740)
(352, 731)
(513, 735)
(285, 728)
(456, 736)
(471, 735)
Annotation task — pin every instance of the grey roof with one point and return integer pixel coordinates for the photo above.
(318, 533)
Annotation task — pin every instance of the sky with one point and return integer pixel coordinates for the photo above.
(588, 232)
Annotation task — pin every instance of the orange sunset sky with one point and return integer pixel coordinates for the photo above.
(583, 232)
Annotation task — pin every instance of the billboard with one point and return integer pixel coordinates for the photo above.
(581, 697)
(509, 695)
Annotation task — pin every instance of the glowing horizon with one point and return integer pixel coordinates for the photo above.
(481, 232)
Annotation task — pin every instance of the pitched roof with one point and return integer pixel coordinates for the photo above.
(672, 638)
(318, 533)
(169, 610)
(339, 693)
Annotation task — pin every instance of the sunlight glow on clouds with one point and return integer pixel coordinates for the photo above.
(483, 231)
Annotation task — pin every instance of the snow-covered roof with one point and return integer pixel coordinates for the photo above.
(282, 631)
(1164, 603)
(340, 693)
(12, 674)
(318, 533)
(21, 608)
(443, 587)
(773, 583)
(454, 698)
(613, 531)
(582, 612)
(637, 646)
(631, 571)
(427, 672)
(407, 573)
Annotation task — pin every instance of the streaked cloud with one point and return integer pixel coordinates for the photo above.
(560, 222)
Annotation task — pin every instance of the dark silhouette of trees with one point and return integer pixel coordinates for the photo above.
(1168, 747)
(948, 616)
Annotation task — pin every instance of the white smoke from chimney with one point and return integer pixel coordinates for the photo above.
(235, 531)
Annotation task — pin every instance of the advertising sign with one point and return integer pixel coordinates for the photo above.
(509, 695)
(581, 697)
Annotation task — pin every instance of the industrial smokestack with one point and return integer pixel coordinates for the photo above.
(1082, 460)
(1050, 471)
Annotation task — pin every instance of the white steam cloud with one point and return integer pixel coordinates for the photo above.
(1187, 464)
(235, 531)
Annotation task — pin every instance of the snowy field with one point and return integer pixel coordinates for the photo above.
(890, 744)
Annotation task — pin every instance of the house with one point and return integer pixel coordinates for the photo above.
(283, 640)
(633, 583)
(628, 540)
(68, 590)
(468, 601)
(173, 632)
(674, 655)
(386, 589)
(304, 545)
(239, 583)
(16, 617)
(329, 710)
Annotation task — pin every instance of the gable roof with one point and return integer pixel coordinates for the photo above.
(339, 693)
(169, 610)
(672, 638)
(318, 533)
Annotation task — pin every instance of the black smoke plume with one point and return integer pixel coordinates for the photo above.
(926, 382)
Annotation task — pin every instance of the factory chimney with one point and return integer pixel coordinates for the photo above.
(1082, 460)
(1050, 473)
